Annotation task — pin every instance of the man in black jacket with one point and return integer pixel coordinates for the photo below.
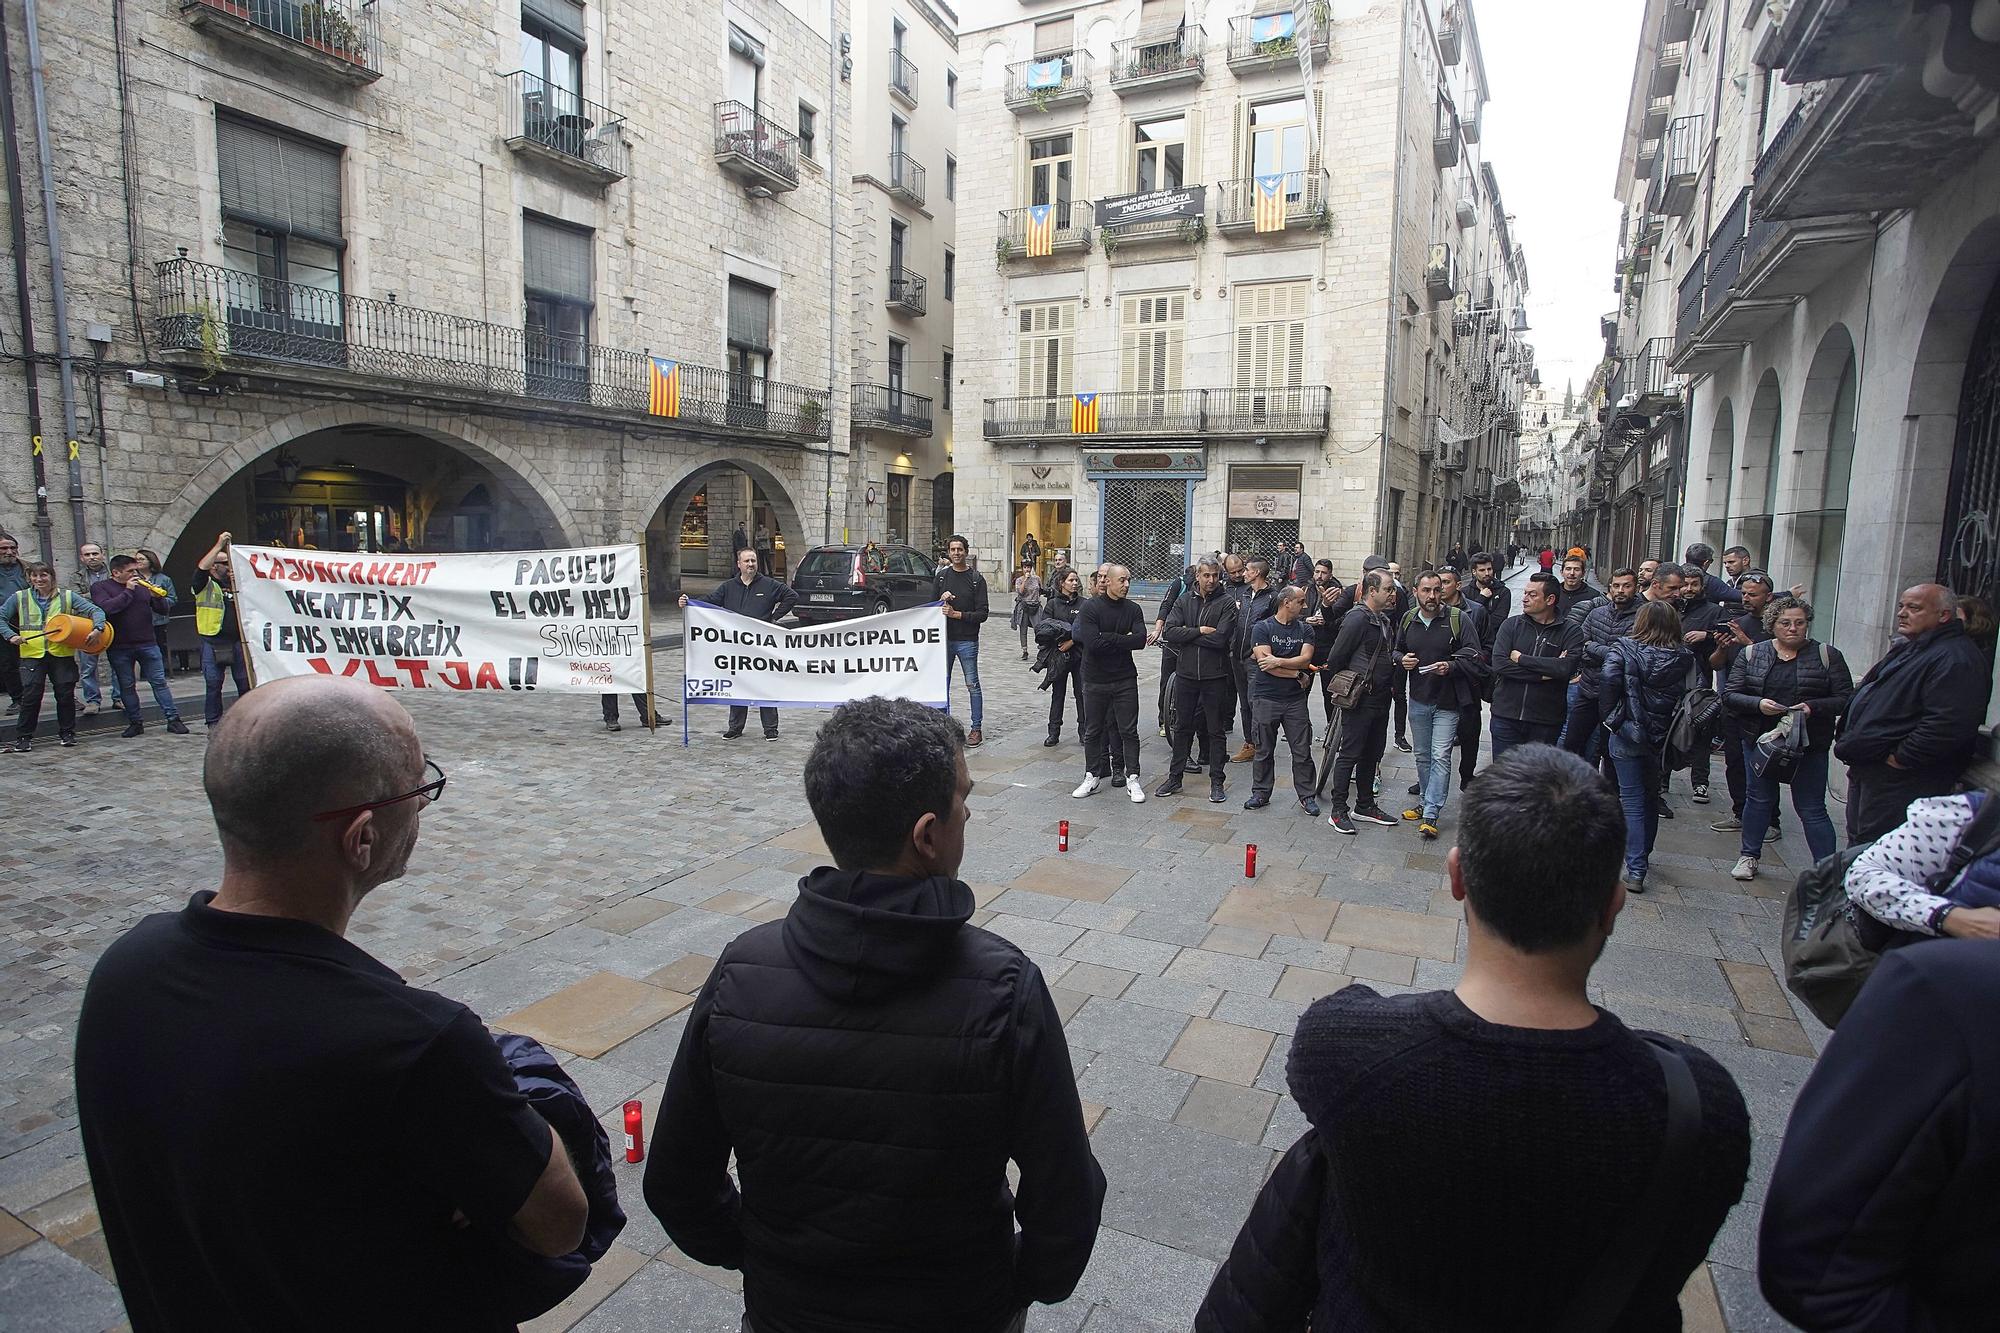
(1200, 629)
(1437, 647)
(1110, 631)
(1915, 717)
(874, 1062)
(1451, 593)
(1704, 626)
(1739, 633)
(1532, 667)
(1281, 651)
(1366, 643)
(1253, 604)
(1589, 638)
(760, 597)
(962, 589)
(1492, 596)
(1574, 587)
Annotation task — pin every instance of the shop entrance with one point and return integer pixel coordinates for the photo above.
(1049, 520)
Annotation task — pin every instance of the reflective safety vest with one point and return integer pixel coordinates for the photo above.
(208, 608)
(28, 615)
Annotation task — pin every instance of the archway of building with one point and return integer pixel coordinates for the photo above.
(1811, 525)
(707, 513)
(1720, 474)
(1753, 494)
(1954, 407)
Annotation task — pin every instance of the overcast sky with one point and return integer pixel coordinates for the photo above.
(1561, 72)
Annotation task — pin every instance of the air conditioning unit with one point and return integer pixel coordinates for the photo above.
(1441, 272)
(1468, 212)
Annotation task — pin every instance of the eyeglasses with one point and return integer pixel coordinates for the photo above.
(430, 792)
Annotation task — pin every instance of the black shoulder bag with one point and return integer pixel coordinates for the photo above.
(1602, 1298)
(1347, 688)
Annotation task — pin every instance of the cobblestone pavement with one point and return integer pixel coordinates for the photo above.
(578, 885)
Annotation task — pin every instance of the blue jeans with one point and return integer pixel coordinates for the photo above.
(1508, 733)
(1760, 803)
(1581, 733)
(212, 668)
(87, 665)
(965, 652)
(1432, 732)
(149, 659)
(1639, 792)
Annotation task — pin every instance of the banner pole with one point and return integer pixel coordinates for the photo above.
(242, 639)
(646, 635)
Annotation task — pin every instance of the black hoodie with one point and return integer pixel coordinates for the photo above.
(874, 1062)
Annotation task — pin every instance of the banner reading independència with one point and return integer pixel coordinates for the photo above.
(732, 659)
(507, 621)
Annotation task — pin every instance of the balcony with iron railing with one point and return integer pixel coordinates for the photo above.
(1304, 202)
(1157, 60)
(755, 149)
(906, 178)
(1052, 79)
(1445, 136)
(1687, 312)
(1071, 232)
(1291, 410)
(340, 39)
(1673, 186)
(1451, 29)
(1668, 61)
(1272, 40)
(902, 77)
(1677, 22)
(1791, 255)
(881, 407)
(906, 291)
(219, 319)
(554, 126)
(1654, 385)
(1659, 110)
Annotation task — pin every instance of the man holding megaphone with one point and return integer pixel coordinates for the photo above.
(46, 657)
(128, 602)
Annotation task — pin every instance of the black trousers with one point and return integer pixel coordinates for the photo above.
(1731, 728)
(1468, 742)
(768, 716)
(10, 670)
(1363, 736)
(1292, 715)
(53, 670)
(1111, 726)
(1878, 796)
(1402, 695)
(1064, 680)
(1201, 706)
(611, 707)
(1583, 732)
(1239, 675)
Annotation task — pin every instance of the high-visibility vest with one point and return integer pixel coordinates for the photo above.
(28, 615)
(208, 608)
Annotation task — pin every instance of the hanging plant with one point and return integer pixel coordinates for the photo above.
(1003, 250)
(1110, 240)
(1194, 230)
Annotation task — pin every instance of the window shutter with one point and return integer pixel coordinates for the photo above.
(555, 260)
(743, 44)
(1161, 15)
(1128, 344)
(277, 182)
(1024, 352)
(1054, 35)
(1079, 170)
(1063, 372)
(1191, 153)
(750, 314)
(1239, 140)
(1173, 342)
(565, 16)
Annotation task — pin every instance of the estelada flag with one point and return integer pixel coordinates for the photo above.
(663, 397)
(1083, 414)
(1041, 230)
(1268, 210)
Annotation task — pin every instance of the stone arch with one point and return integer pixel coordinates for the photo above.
(1753, 490)
(1937, 383)
(1812, 507)
(1720, 475)
(670, 507)
(507, 462)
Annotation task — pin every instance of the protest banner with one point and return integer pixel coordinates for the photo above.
(732, 659)
(566, 622)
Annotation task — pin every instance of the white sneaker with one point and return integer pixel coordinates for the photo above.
(1136, 790)
(1090, 786)
(1746, 868)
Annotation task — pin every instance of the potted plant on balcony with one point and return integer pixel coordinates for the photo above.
(1003, 250)
(1110, 239)
(1275, 48)
(329, 29)
(809, 417)
(1194, 230)
(1040, 98)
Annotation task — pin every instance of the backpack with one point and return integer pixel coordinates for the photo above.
(1829, 953)
(1694, 718)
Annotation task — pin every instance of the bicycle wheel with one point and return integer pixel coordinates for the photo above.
(1329, 751)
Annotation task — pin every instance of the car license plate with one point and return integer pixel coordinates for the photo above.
(819, 597)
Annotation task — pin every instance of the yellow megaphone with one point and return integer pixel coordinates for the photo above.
(152, 588)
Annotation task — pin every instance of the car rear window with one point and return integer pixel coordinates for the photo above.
(827, 562)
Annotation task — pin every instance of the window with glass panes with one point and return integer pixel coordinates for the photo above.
(1159, 153)
(1045, 350)
(1152, 337)
(282, 241)
(749, 346)
(552, 46)
(1278, 143)
(1051, 173)
(556, 287)
(1270, 335)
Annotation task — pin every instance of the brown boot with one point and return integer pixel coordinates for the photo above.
(1244, 755)
(973, 738)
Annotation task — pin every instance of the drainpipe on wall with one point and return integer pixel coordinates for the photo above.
(19, 229)
(59, 301)
(833, 196)
(1386, 542)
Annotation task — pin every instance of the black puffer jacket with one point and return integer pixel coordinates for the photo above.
(875, 1062)
(1642, 687)
(1592, 636)
(1271, 1280)
(1823, 681)
(1922, 702)
(1058, 614)
(1202, 656)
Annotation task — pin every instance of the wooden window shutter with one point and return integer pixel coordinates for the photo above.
(1161, 15)
(1054, 35)
(1239, 140)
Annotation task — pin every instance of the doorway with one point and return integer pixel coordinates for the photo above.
(1049, 520)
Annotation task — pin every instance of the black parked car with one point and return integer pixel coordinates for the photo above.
(844, 582)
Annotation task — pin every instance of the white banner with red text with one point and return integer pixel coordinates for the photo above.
(732, 659)
(569, 622)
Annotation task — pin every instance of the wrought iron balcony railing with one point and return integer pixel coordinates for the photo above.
(1166, 57)
(1687, 315)
(902, 76)
(1072, 229)
(879, 407)
(1305, 195)
(1052, 78)
(755, 147)
(907, 290)
(906, 177)
(221, 316)
(1258, 40)
(1655, 385)
(557, 124)
(341, 37)
(1168, 413)
(1725, 253)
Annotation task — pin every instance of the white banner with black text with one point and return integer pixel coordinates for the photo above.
(732, 659)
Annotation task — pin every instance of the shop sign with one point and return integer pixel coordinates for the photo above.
(1041, 479)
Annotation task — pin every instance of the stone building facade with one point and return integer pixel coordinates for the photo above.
(1169, 379)
(352, 275)
(1819, 303)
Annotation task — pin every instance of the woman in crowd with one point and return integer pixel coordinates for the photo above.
(1793, 673)
(154, 572)
(1645, 675)
(1052, 628)
(1027, 602)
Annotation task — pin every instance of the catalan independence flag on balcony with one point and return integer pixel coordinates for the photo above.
(1041, 230)
(663, 397)
(1268, 202)
(1083, 414)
